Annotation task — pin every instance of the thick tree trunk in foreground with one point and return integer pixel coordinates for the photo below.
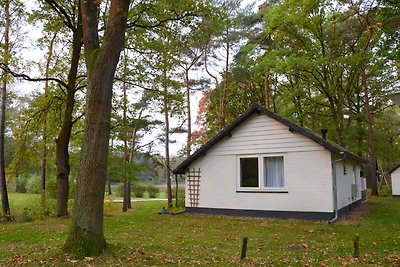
(6, 46)
(64, 136)
(87, 236)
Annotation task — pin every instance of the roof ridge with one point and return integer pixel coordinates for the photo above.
(257, 108)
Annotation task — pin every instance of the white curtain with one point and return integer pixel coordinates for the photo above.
(273, 172)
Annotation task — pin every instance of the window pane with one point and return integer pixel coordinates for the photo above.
(249, 172)
(273, 172)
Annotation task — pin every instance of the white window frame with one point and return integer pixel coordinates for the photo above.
(261, 183)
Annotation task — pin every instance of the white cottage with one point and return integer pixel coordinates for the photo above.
(395, 177)
(264, 165)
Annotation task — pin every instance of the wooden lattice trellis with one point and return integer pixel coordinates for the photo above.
(193, 182)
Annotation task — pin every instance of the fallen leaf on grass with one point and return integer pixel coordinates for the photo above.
(72, 261)
(89, 258)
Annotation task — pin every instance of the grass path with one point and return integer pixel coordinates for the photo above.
(141, 237)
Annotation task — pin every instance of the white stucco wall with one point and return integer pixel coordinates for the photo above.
(345, 178)
(308, 171)
(396, 182)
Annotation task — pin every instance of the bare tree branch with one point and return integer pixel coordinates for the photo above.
(5, 68)
(159, 23)
(78, 118)
(62, 13)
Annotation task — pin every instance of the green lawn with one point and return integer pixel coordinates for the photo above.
(141, 237)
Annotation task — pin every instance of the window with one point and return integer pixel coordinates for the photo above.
(273, 172)
(261, 173)
(249, 172)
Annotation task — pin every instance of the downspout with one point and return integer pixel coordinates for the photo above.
(334, 183)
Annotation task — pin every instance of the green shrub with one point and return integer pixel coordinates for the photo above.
(51, 188)
(138, 189)
(181, 192)
(181, 196)
(119, 190)
(37, 208)
(20, 184)
(152, 190)
(26, 215)
(33, 184)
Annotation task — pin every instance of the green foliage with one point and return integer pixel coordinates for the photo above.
(152, 190)
(28, 207)
(387, 125)
(119, 190)
(51, 188)
(20, 184)
(33, 184)
(181, 197)
(26, 215)
(138, 189)
(307, 59)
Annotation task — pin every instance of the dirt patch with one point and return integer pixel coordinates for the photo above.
(358, 213)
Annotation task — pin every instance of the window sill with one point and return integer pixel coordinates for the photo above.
(262, 191)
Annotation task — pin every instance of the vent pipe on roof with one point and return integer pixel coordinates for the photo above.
(323, 133)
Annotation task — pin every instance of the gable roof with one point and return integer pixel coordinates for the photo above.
(394, 168)
(256, 108)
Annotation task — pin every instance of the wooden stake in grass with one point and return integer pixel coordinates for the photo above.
(356, 244)
(244, 248)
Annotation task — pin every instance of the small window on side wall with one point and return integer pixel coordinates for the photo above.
(249, 172)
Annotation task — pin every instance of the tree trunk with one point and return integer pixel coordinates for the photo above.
(166, 143)
(46, 93)
(206, 66)
(176, 191)
(109, 192)
(131, 156)
(127, 193)
(62, 142)
(86, 236)
(6, 50)
(224, 88)
(189, 116)
(267, 91)
(371, 142)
